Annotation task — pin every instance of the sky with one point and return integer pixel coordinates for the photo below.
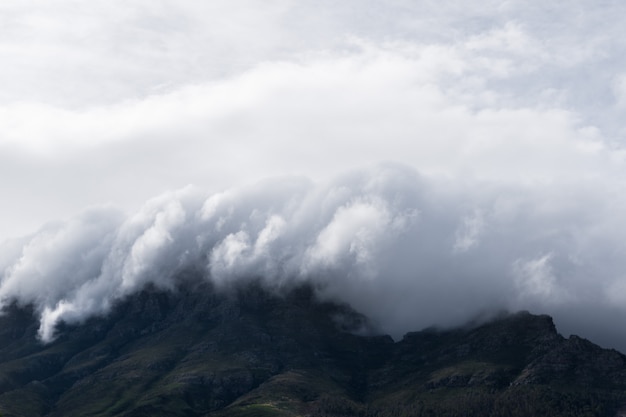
(424, 161)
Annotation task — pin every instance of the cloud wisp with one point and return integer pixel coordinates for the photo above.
(407, 250)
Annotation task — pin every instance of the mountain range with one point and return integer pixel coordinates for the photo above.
(245, 350)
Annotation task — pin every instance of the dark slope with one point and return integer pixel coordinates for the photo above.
(247, 352)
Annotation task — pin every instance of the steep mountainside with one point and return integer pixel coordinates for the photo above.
(247, 352)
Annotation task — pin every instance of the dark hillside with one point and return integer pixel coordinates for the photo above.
(247, 352)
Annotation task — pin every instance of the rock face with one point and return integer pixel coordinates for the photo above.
(247, 352)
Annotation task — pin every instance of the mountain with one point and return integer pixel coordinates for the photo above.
(246, 351)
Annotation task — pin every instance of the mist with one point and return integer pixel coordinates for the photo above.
(406, 249)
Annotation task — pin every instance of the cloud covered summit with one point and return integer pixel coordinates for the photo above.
(502, 122)
(406, 249)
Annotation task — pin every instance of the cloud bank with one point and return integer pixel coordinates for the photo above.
(116, 101)
(406, 249)
(503, 121)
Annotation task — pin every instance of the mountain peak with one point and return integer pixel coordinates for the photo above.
(249, 351)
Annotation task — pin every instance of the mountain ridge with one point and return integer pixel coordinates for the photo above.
(199, 351)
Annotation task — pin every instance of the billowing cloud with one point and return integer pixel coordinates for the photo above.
(406, 249)
(502, 123)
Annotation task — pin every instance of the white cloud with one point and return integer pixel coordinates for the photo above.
(407, 250)
(71, 252)
(535, 278)
(512, 112)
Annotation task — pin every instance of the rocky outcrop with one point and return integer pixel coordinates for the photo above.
(246, 351)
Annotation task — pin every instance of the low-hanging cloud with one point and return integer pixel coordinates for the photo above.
(408, 250)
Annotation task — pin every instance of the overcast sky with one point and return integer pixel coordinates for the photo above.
(497, 123)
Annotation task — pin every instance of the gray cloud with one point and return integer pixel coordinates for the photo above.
(511, 111)
(408, 250)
